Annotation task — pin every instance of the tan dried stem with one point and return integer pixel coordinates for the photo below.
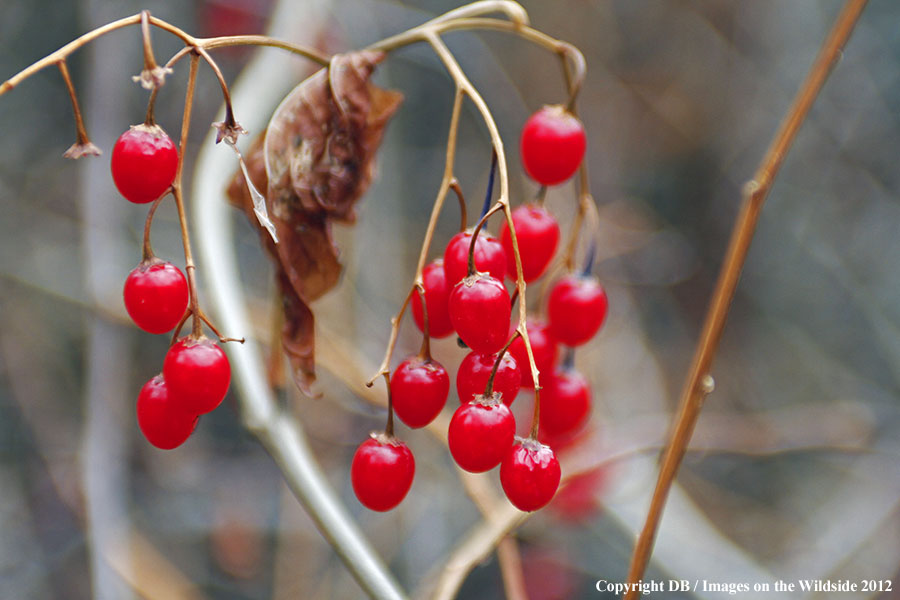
(585, 216)
(190, 41)
(152, 76)
(262, 40)
(475, 232)
(489, 386)
(149, 59)
(446, 184)
(574, 65)
(463, 83)
(513, 10)
(149, 118)
(82, 145)
(425, 350)
(146, 248)
(463, 214)
(696, 385)
(190, 267)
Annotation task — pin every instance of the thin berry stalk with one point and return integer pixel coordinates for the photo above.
(194, 307)
(489, 387)
(146, 249)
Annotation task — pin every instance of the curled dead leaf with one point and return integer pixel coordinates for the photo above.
(315, 161)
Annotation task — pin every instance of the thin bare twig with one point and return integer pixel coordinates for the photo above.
(699, 382)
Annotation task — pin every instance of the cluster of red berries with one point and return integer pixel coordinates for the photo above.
(195, 374)
(464, 294)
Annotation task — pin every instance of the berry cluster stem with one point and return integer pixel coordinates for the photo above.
(190, 41)
(190, 267)
(149, 58)
(447, 183)
(463, 213)
(471, 260)
(146, 247)
(489, 387)
(425, 350)
(82, 144)
(456, 73)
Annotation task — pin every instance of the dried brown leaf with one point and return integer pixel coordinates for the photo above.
(316, 161)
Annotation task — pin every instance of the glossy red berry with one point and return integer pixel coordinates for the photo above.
(552, 145)
(479, 311)
(475, 370)
(144, 162)
(481, 433)
(198, 374)
(543, 346)
(437, 293)
(565, 402)
(537, 233)
(489, 256)
(156, 296)
(382, 472)
(529, 474)
(163, 421)
(576, 309)
(419, 390)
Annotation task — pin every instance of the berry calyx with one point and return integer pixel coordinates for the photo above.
(156, 296)
(437, 293)
(552, 145)
(197, 373)
(480, 434)
(565, 402)
(576, 309)
(489, 256)
(475, 370)
(480, 310)
(419, 390)
(543, 346)
(537, 233)
(144, 162)
(529, 474)
(163, 421)
(382, 472)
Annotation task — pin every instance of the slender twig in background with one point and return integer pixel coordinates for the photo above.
(699, 382)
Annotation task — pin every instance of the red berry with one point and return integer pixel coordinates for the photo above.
(542, 345)
(529, 474)
(565, 402)
(437, 292)
(538, 235)
(163, 422)
(479, 311)
(156, 296)
(198, 374)
(481, 432)
(382, 472)
(419, 390)
(552, 145)
(489, 256)
(576, 309)
(144, 162)
(475, 370)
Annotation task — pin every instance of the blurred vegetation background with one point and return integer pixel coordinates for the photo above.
(795, 473)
